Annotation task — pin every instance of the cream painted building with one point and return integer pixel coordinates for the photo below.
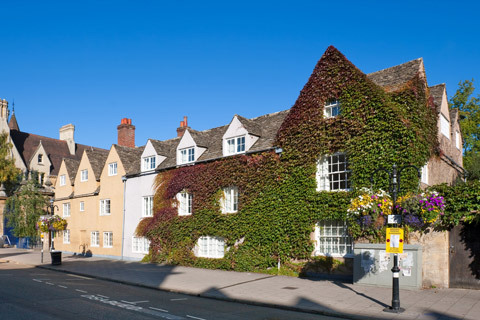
(89, 194)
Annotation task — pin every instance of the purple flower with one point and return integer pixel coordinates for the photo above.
(365, 221)
(413, 220)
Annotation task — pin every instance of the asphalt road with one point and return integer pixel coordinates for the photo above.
(38, 294)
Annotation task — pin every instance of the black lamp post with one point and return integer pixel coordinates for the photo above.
(394, 189)
(51, 212)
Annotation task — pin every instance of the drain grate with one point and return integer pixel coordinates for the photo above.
(290, 288)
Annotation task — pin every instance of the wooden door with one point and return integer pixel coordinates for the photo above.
(465, 256)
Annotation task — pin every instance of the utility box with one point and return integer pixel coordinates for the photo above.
(372, 265)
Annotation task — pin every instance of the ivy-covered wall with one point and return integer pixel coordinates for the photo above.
(278, 201)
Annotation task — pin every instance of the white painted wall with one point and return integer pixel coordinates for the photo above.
(136, 188)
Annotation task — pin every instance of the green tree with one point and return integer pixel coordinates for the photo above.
(24, 209)
(469, 111)
(8, 172)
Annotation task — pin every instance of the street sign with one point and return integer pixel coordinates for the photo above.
(394, 219)
(394, 240)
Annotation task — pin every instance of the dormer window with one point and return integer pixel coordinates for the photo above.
(112, 169)
(444, 126)
(331, 109)
(84, 175)
(187, 155)
(148, 163)
(236, 145)
(40, 158)
(63, 180)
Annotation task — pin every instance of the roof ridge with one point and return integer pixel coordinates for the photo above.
(371, 73)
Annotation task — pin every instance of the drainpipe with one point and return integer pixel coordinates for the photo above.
(124, 180)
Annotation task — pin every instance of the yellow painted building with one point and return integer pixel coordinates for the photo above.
(93, 203)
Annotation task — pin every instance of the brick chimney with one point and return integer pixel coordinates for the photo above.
(126, 133)
(183, 127)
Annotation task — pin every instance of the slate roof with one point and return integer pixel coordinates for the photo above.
(72, 167)
(392, 78)
(27, 144)
(97, 158)
(130, 157)
(13, 124)
(265, 127)
(437, 93)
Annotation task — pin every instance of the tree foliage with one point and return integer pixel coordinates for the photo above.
(8, 172)
(469, 110)
(24, 208)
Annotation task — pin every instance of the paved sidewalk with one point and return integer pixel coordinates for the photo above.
(323, 297)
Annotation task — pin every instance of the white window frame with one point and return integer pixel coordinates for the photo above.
(147, 206)
(95, 239)
(108, 239)
(229, 201)
(444, 126)
(149, 163)
(236, 145)
(66, 236)
(458, 140)
(210, 247)
(112, 169)
(332, 239)
(105, 207)
(82, 206)
(140, 245)
(424, 172)
(66, 209)
(332, 173)
(185, 203)
(331, 109)
(40, 158)
(187, 155)
(84, 175)
(63, 180)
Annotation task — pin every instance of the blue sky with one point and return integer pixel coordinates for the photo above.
(92, 63)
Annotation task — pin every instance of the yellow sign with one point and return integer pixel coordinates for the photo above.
(395, 240)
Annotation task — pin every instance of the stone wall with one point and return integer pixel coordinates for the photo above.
(435, 258)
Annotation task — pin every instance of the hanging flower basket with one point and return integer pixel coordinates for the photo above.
(418, 211)
(51, 223)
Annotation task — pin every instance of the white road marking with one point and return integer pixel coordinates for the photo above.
(62, 286)
(49, 283)
(130, 307)
(134, 302)
(195, 317)
(180, 299)
(81, 277)
(37, 280)
(82, 291)
(99, 295)
(158, 309)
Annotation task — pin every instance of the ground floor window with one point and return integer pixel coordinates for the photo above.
(332, 239)
(140, 245)
(66, 236)
(210, 247)
(95, 239)
(108, 239)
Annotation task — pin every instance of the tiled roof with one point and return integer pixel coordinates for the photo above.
(265, 127)
(392, 78)
(437, 93)
(72, 168)
(27, 144)
(130, 157)
(97, 158)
